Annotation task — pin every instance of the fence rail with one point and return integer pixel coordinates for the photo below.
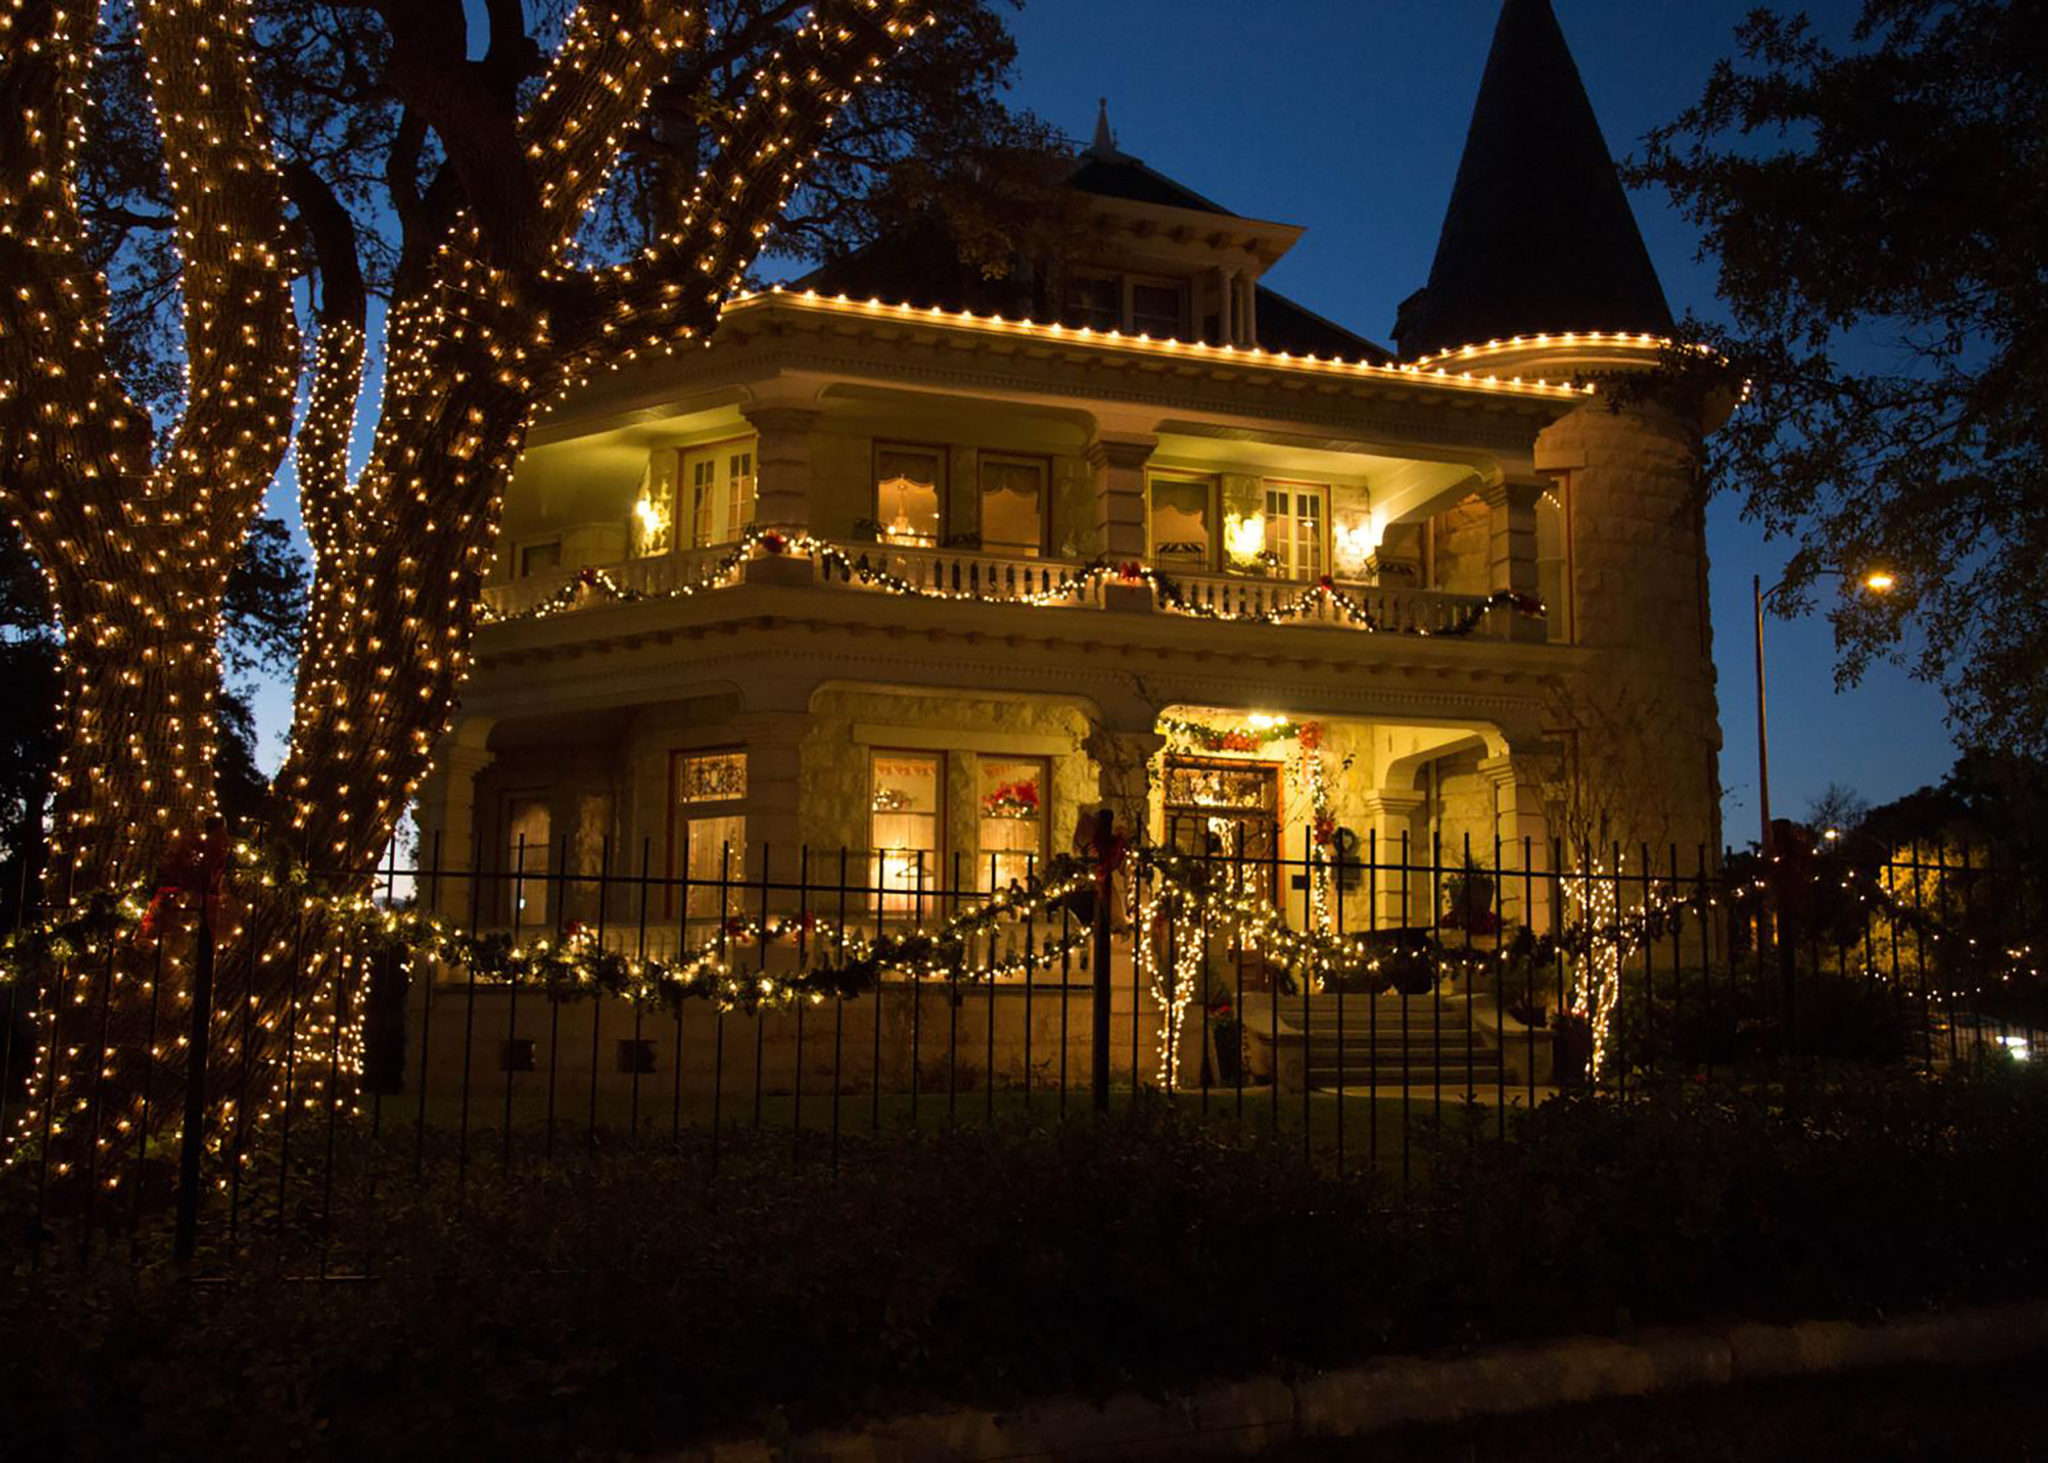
(1360, 1005)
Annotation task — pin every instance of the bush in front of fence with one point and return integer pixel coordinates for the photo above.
(631, 1301)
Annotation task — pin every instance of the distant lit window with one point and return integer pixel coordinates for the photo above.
(654, 511)
(718, 484)
(1297, 519)
(909, 493)
(1012, 807)
(528, 831)
(905, 798)
(711, 831)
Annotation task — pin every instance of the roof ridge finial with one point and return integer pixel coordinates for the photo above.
(1105, 140)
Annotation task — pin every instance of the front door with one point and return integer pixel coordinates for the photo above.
(1226, 809)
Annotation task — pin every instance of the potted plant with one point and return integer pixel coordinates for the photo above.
(1468, 899)
(1226, 1042)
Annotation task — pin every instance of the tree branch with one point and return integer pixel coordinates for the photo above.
(241, 334)
(677, 284)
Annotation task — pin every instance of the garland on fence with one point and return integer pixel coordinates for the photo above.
(835, 962)
(1072, 585)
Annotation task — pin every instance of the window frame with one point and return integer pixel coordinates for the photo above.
(982, 854)
(1182, 328)
(721, 453)
(1212, 514)
(1292, 486)
(943, 452)
(931, 890)
(522, 547)
(513, 873)
(676, 900)
(1043, 464)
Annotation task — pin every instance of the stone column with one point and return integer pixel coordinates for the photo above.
(1119, 462)
(1645, 715)
(1399, 896)
(1511, 551)
(1123, 761)
(1524, 833)
(448, 826)
(774, 743)
(782, 485)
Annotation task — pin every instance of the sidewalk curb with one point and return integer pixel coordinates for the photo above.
(1239, 1419)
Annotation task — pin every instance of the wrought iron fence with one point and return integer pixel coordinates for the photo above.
(1359, 1001)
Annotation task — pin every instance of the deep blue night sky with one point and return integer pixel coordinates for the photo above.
(1349, 119)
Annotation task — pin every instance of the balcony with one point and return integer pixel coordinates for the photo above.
(962, 575)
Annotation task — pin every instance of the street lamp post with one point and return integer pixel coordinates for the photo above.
(1877, 581)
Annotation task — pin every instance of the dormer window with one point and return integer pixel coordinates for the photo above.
(1135, 304)
(1096, 302)
(1159, 308)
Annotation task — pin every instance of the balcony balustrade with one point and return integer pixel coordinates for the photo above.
(997, 579)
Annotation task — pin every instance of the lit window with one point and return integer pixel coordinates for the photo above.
(1180, 522)
(711, 828)
(904, 828)
(1296, 519)
(653, 524)
(909, 489)
(1012, 505)
(1012, 805)
(527, 833)
(719, 482)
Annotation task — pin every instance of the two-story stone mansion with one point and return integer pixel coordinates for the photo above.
(886, 569)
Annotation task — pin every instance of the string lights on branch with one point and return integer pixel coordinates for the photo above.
(495, 320)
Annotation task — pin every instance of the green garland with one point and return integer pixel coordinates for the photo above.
(1068, 587)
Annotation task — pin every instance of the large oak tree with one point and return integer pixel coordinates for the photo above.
(496, 304)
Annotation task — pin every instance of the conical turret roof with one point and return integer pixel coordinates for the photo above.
(1538, 236)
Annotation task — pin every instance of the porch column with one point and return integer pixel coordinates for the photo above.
(1118, 460)
(782, 485)
(1524, 834)
(1124, 767)
(1512, 551)
(774, 743)
(1400, 896)
(448, 814)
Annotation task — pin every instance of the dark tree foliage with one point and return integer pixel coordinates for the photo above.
(366, 170)
(1878, 216)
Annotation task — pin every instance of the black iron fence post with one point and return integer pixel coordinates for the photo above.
(192, 1140)
(1105, 888)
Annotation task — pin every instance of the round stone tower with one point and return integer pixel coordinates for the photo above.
(1540, 271)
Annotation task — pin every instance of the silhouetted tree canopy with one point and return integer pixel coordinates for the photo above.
(1878, 216)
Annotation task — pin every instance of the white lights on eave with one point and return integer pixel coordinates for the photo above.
(1429, 371)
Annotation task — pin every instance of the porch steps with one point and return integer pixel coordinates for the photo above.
(1373, 1042)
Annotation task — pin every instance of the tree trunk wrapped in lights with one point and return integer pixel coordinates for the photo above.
(487, 327)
